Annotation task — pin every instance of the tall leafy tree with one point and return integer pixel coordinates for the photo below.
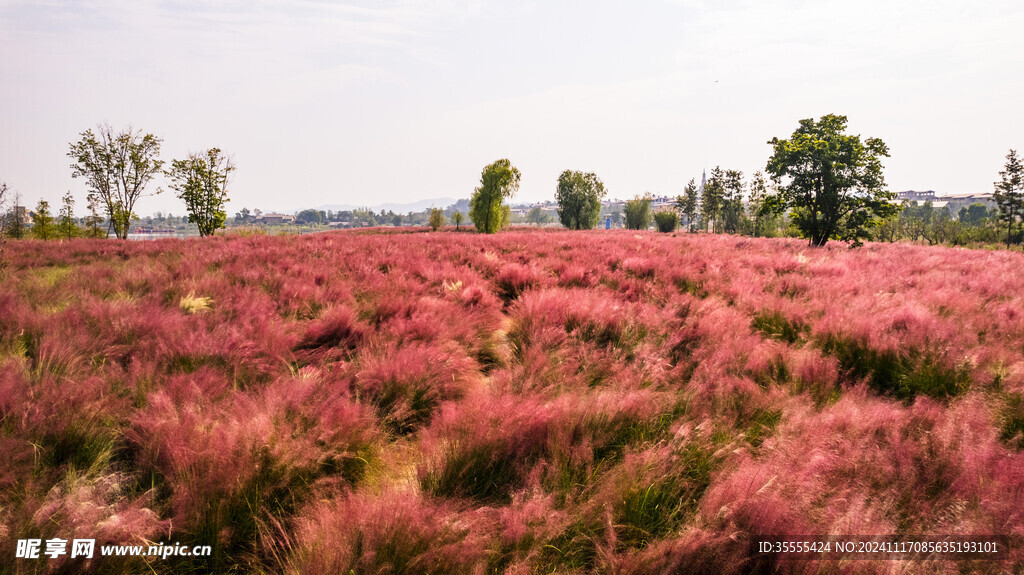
(117, 167)
(42, 221)
(201, 181)
(831, 182)
(66, 223)
(579, 197)
(1009, 195)
(498, 182)
(687, 203)
(457, 219)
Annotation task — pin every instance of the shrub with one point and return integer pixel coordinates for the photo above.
(666, 220)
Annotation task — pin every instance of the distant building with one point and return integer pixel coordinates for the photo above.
(952, 201)
(957, 201)
(275, 219)
(916, 196)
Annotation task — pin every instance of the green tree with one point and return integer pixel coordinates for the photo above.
(666, 220)
(638, 213)
(42, 221)
(457, 219)
(973, 215)
(579, 197)
(758, 194)
(66, 226)
(832, 182)
(498, 182)
(201, 181)
(687, 203)
(732, 201)
(94, 220)
(315, 217)
(712, 199)
(1009, 195)
(437, 219)
(538, 216)
(243, 216)
(116, 167)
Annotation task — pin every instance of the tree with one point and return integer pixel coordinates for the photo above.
(712, 199)
(315, 217)
(732, 201)
(14, 227)
(666, 220)
(832, 182)
(538, 216)
(457, 219)
(243, 216)
(116, 167)
(42, 221)
(201, 181)
(66, 224)
(687, 203)
(437, 219)
(93, 220)
(758, 194)
(1009, 195)
(638, 213)
(498, 182)
(579, 199)
(973, 215)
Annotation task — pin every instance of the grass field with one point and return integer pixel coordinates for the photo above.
(525, 402)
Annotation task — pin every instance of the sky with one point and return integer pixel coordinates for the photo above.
(368, 102)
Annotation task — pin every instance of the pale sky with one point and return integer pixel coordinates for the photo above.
(366, 102)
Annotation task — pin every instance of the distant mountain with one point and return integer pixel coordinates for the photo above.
(397, 208)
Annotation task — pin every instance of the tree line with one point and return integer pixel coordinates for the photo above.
(821, 184)
(118, 169)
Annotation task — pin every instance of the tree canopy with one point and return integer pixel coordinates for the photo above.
(498, 182)
(831, 182)
(579, 197)
(201, 181)
(117, 168)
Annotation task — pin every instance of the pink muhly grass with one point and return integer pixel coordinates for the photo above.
(407, 384)
(395, 532)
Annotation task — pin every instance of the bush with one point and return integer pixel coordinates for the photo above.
(638, 213)
(666, 220)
